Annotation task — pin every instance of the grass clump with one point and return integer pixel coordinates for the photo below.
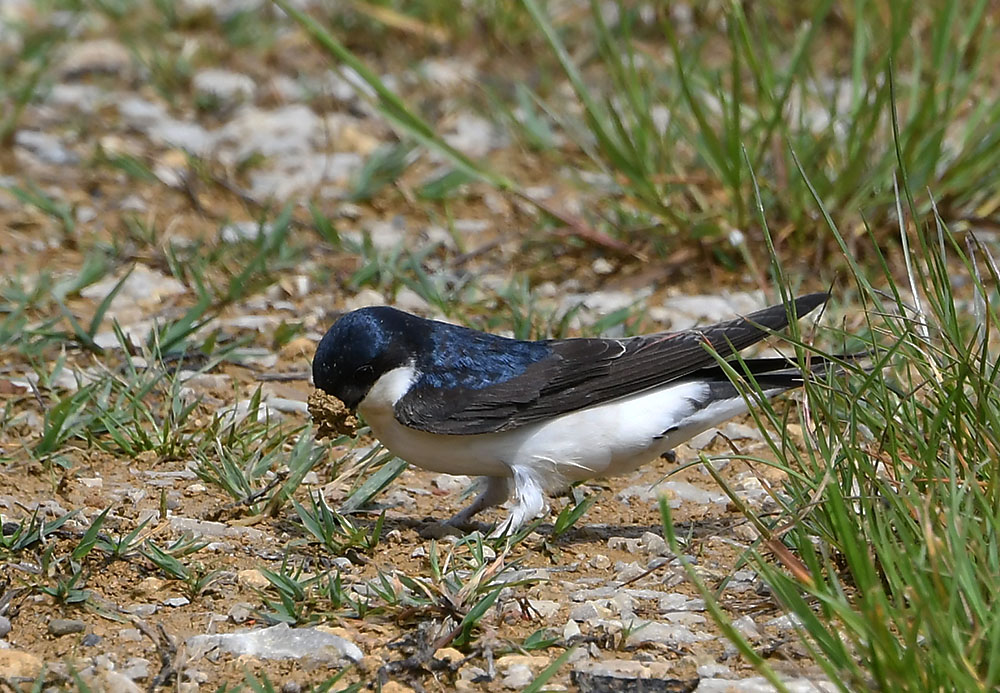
(667, 105)
(886, 540)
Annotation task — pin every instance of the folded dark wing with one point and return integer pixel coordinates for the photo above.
(579, 373)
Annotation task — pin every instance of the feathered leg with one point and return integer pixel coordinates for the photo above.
(529, 501)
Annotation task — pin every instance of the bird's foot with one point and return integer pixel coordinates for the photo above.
(440, 530)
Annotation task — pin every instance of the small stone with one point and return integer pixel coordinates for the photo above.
(613, 675)
(600, 562)
(544, 608)
(473, 135)
(252, 578)
(46, 147)
(675, 601)
(144, 288)
(278, 642)
(409, 300)
(520, 670)
(136, 668)
(668, 634)
(712, 668)
(751, 490)
(196, 675)
(130, 634)
(688, 311)
(470, 672)
(283, 132)
(587, 612)
(238, 231)
(292, 173)
(570, 630)
(624, 604)
(449, 655)
(785, 623)
(82, 98)
(447, 73)
(703, 439)
(395, 687)
(17, 664)
(738, 431)
(471, 226)
(627, 572)
(224, 85)
(142, 610)
(680, 491)
(746, 532)
(240, 612)
(626, 544)
(602, 266)
(176, 601)
(219, 547)
(90, 640)
(451, 483)
(4, 626)
(111, 682)
(654, 544)
(101, 56)
(685, 618)
(66, 626)
(746, 627)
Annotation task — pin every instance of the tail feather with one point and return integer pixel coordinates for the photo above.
(772, 375)
(733, 336)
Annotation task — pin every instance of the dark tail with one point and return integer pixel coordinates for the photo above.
(734, 335)
(773, 375)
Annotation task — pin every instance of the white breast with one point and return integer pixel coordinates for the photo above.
(604, 440)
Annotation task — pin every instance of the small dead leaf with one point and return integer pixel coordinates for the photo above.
(8, 387)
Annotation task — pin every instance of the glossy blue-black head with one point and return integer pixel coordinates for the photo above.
(362, 346)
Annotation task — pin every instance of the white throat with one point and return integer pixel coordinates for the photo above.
(388, 390)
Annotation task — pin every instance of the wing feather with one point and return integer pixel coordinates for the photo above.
(578, 373)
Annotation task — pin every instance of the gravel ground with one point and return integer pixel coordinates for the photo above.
(150, 184)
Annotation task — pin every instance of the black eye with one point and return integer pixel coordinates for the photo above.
(364, 371)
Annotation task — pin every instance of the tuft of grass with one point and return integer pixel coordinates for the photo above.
(885, 546)
(247, 459)
(568, 516)
(667, 108)
(337, 532)
(383, 167)
(59, 211)
(22, 76)
(746, 82)
(29, 532)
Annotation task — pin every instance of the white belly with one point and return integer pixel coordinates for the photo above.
(604, 440)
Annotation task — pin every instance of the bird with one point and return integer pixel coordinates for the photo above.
(533, 417)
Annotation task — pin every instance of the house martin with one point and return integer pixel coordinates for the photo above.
(535, 416)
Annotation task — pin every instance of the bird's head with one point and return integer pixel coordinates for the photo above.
(360, 347)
